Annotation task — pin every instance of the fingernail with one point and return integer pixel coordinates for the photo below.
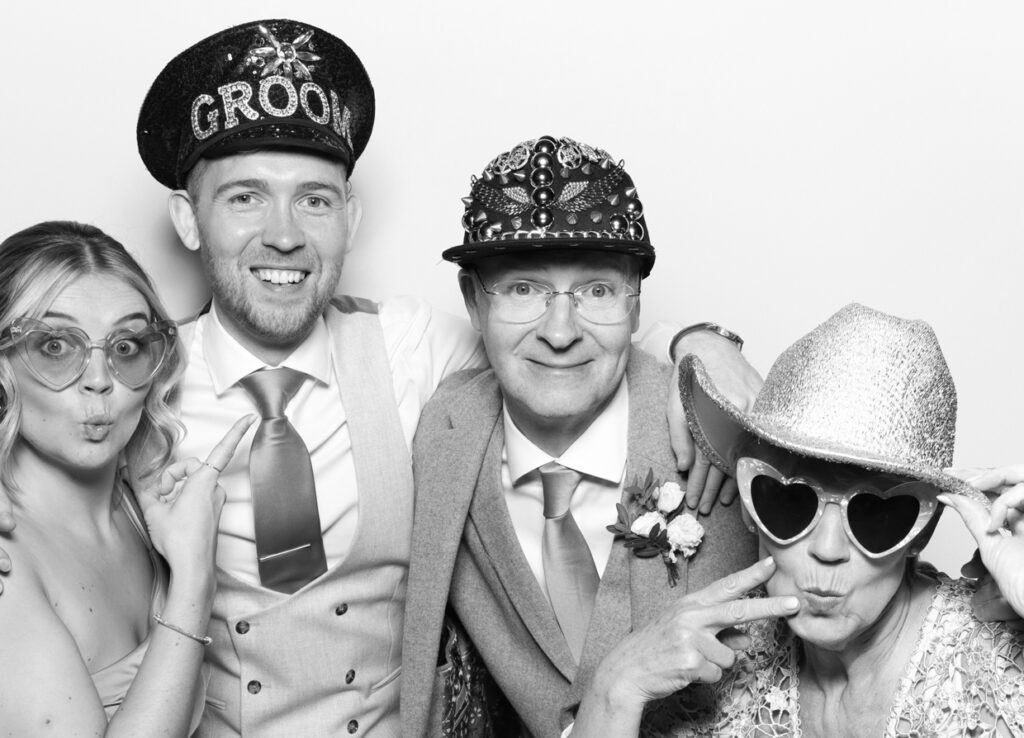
(769, 562)
(791, 603)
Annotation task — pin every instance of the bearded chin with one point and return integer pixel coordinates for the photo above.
(276, 327)
(267, 323)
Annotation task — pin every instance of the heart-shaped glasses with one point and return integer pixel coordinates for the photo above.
(877, 521)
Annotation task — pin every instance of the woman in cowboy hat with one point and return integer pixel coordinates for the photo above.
(840, 470)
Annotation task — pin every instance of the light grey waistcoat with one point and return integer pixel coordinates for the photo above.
(325, 661)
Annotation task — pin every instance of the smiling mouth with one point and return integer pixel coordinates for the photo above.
(549, 365)
(280, 276)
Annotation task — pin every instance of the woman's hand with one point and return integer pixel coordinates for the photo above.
(999, 533)
(182, 508)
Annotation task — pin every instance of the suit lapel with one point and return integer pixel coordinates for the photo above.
(650, 449)
(633, 590)
(447, 461)
(489, 514)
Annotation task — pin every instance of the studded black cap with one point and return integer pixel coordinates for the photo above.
(550, 193)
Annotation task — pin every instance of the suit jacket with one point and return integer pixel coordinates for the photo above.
(465, 549)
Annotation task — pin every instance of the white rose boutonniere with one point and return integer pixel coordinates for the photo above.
(660, 527)
(670, 497)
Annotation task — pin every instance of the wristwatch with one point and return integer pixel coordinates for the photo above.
(713, 327)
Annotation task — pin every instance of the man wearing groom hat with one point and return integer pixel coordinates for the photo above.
(256, 130)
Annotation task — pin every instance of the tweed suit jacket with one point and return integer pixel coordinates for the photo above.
(465, 550)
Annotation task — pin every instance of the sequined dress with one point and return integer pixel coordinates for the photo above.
(964, 678)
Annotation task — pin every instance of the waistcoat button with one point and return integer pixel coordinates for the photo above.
(242, 627)
(341, 609)
(254, 687)
(350, 677)
(353, 726)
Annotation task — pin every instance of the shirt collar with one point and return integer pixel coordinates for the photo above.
(229, 361)
(600, 452)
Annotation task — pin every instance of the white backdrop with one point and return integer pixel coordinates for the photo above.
(791, 156)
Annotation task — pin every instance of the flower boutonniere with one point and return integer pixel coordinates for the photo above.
(659, 527)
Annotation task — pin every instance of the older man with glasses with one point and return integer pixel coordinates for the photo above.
(536, 480)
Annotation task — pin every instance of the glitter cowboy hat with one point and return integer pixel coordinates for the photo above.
(553, 193)
(269, 83)
(863, 388)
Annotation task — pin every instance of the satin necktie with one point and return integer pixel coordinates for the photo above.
(289, 542)
(569, 569)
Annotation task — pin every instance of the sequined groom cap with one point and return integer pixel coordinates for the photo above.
(264, 84)
(553, 193)
(863, 388)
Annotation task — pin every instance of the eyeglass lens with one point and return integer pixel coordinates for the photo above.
(598, 302)
(878, 524)
(61, 356)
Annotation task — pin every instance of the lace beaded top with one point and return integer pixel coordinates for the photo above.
(964, 679)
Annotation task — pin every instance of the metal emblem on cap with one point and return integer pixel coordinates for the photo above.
(287, 59)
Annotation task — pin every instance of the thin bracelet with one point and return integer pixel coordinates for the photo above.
(713, 327)
(205, 640)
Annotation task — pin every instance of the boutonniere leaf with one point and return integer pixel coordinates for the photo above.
(659, 527)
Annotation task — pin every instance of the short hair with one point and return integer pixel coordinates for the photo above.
(36, 265)
(195, 174)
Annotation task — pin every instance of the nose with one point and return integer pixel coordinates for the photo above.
(559, 326)
(282, 230)
(829, 543)
(96, 377)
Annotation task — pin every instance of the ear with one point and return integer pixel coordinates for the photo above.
(354, 207)
(470, 296)
(183, 215)
(634, 324)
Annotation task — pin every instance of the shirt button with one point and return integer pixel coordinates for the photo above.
(254, 687)
(242, 627)
(353, 726)
(350, 677)
(341, 609)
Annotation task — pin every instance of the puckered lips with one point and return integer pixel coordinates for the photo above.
(821, 600)
(98, 426)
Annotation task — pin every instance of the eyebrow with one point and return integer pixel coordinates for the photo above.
(123, 319)
(261, 184)
(254, 184)
(315, 186)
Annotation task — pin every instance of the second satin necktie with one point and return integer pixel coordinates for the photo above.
(569, 570)
(289, 542)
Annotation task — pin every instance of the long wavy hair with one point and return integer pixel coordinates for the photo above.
(36, 265)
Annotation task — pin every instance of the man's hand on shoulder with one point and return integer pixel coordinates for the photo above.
(739, 382)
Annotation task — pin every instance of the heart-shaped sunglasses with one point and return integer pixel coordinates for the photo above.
(877, 521)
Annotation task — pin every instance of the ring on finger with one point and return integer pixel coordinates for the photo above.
(216, 469)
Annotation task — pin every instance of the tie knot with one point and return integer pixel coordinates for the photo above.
(558, 483)
(272, 389)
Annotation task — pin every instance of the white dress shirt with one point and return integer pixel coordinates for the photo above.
(599, 455)
(423, 347)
